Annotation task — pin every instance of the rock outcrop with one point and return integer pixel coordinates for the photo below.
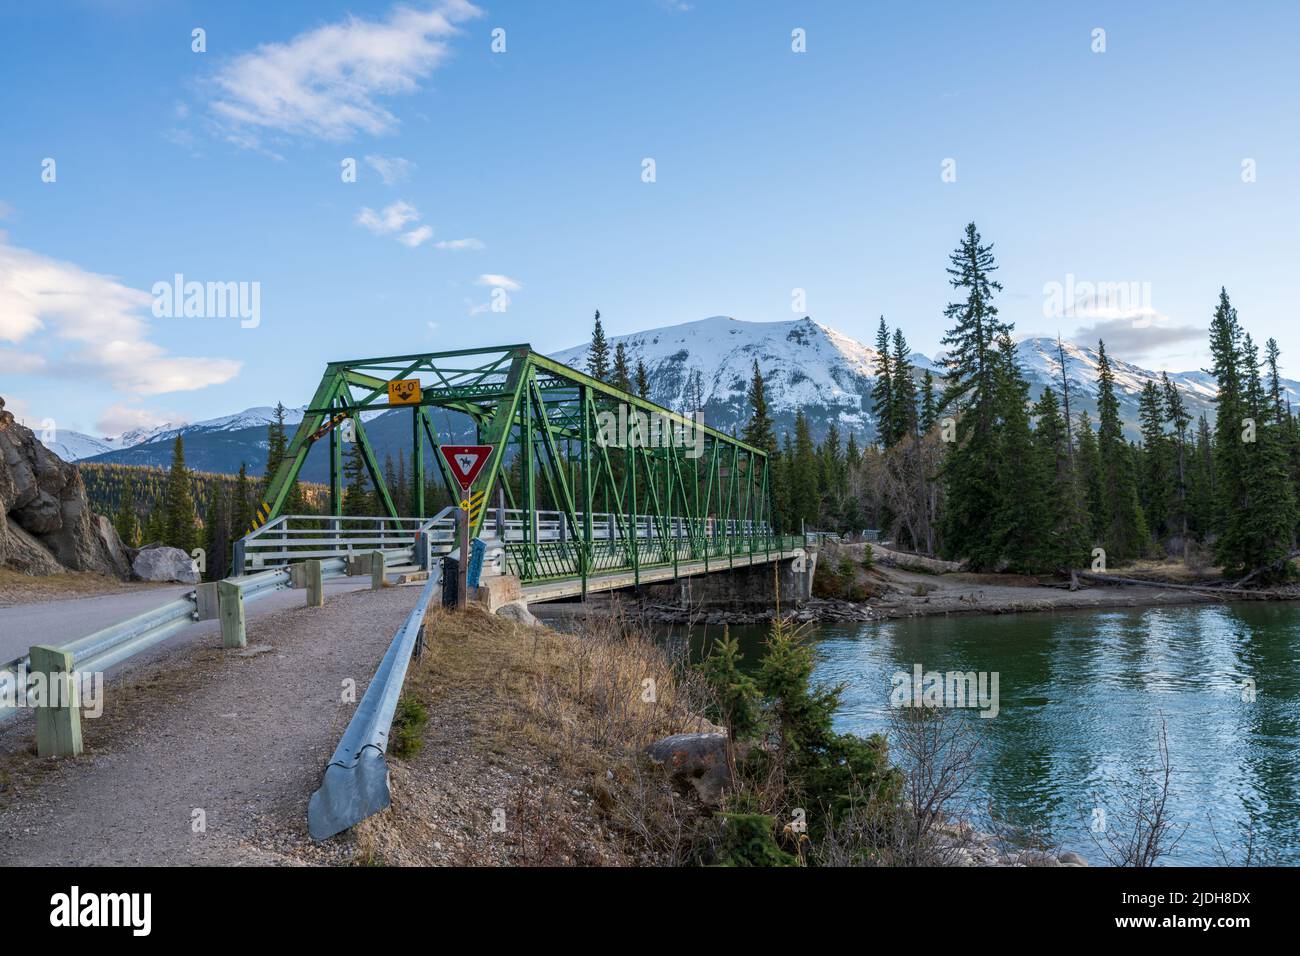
(164, 564)
(695, 760)
(46, 523)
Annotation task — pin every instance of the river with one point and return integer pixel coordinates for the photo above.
(1081, 700)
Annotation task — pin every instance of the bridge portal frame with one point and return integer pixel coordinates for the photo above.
(664, 501)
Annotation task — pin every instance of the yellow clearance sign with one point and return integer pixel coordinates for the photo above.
(404, 391)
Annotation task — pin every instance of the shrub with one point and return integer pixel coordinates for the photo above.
(868, 558)
(408, 721)
(746, 839)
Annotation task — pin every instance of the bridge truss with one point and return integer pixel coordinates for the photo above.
(595, 480)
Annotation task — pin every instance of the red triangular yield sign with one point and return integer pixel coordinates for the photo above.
(465, 462)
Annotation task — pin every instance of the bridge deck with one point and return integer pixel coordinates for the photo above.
(570, 587)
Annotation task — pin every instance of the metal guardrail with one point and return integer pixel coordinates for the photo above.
(118, 642)
(355, 785)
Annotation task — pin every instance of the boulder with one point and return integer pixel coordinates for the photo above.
(1070, 858)
(164, 564)
(695, 760)
(24, 553)
(518, 612)
(44, 497)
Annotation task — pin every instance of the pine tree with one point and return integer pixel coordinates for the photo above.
(622, 375)
(127, 522)
(598, 353)
(882, 390)
(178, 504)
(973, 496)
(1123, 528)
(759, 431)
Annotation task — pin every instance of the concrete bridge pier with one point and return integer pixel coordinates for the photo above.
(755, 585)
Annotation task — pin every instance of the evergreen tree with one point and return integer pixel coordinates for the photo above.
(241, 506)
(1178, 417)
(178, 503)
(598, 353)
(1123, 528)
(356, 497)
(1156, 490)
(759, 431)
(1021, 517)
(803, 485)
(1089, 466)
(216, 533)
(622, 379)
(973, 497)
(929, 410)
(642, 380)
(903, 413)
(127, 522)
(1065, 542)
(882, 390)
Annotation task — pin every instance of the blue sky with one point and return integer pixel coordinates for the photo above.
(522, 171)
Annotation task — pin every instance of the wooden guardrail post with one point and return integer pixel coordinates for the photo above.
(376, 570)
(315, 583)
(58, 718)
(230, 601)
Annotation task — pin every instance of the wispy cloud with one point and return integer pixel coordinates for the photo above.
(328, 83)
(459, 245)
(391, 169)
(71, 322)
(1138, 338)
(497, 281)
(394, 218)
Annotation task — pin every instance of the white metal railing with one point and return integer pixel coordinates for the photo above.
(298, 537)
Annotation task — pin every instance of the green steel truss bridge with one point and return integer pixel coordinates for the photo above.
(588, 487)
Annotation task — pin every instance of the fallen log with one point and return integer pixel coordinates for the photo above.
(1205, 588)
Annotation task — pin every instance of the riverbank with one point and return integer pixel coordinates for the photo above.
(898, 585)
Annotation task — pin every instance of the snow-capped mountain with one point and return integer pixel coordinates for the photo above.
(708, 364)
(705, 365)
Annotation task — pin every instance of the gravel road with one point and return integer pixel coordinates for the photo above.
(241, 736)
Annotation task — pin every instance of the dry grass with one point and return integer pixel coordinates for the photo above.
(17, 588)
(532, 751)
(584, 700)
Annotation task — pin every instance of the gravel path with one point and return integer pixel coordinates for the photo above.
(242, 736)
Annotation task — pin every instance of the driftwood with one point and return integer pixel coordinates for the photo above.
(1205, 588)
(1277, 565)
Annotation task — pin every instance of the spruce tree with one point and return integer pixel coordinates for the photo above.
(126, 521)
(241, 506)
(1178, 417)
(803, 485)
(216, 532)
(882, 390)
(759, 431)
(903, 413)
(1123, 528)
(1065, 542)
(622, 379)
(642, 380)
(356, 498)
(178, 503)
(929, 410)
(1156, 489)
(1020, 521)
(974, 498)
(598, 353)
(1089, 466)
